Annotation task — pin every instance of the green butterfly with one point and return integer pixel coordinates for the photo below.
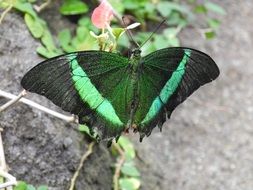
(111, 93)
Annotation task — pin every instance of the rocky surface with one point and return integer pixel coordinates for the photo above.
(41, 149)
(207, 143)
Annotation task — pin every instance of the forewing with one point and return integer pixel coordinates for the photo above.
(83, 83)
(169, 76)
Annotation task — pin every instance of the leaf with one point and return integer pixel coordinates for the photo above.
(127, 147)
(129, 183)
(150, 8)
(25, 8)
(85, 129)
(201, 9)
(174, 42)
(118, 5)
(176, 19)
(20, 186)
(213, 23)
(84, 21)
(30, 187)
(215, 8)
(82, 33)
(42, 187)
(170, 32)
(165, 8)
(210, 35)
(160, 42)
(117, 32)
(129, 169)
(47, 41)
(34, 26)
(73, 7)
(123, 41)
(64, 37)
(45, 53)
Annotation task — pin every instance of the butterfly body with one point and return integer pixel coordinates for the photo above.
(111, 93)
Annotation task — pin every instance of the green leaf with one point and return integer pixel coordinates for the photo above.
(117, 32)
(160, 42)
(174, 42)
(64, 37)
(20, 186)
(129, 183)
(34, 26)
(42, 187)
(170, 32)
(200, 9)
(84, 21)
(85, 129)
(192, 1)
(176, 19)
(150, 8)
(213, 23)
(73, 7)
(31, 1)
(25, 8)
(45, 53)
(47, 40)
(165, 8)
(215, 8)
(210, 35)
(118, 5)
(130, 170)
(30, 187)
(82, 33)
(123, 41)
(127, 147)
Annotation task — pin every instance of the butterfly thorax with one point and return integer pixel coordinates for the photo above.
(134, 70)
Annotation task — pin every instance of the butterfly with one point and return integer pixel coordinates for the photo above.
(111, 93)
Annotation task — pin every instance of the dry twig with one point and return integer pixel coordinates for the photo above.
(118, 165)
(42, 6)
(11, 181)
(12, 101)
(4, 13)
(84, 157)
(38, 106)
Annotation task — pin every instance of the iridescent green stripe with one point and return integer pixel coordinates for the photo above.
(90, 94)
(168, 89)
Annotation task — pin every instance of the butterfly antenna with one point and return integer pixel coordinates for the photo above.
(129, 34)
(157, 28)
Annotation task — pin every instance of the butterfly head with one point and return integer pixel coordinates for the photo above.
(136, 52)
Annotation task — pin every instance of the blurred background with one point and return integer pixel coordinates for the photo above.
(207, 143)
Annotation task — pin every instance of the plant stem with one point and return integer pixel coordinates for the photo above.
(11, 181)
(12, 101)
(38, 106)
(5, 12)
(84, 157)
(42, 6)
(118, 165)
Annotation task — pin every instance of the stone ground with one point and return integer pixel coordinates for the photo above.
(207, 143)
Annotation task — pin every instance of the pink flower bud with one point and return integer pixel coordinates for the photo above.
(102, 15)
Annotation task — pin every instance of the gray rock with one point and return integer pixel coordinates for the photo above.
(41, 149)
(208, 142)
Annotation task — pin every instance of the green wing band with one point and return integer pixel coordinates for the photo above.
(90, 94)
(167, 90)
